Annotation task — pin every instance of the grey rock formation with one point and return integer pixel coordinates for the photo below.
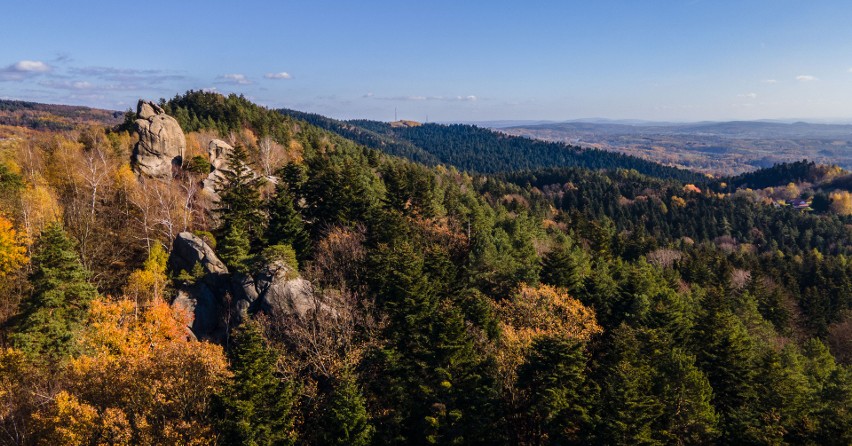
(217, 299)
(205, 297)
(189, 249)
(283, 293)
(161, 142)
(217, 152)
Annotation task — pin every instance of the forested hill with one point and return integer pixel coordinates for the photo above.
(337, 295)
(481, 150)
(38, 116)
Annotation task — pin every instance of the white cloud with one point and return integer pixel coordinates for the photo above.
(368, 95)
(236, 78)
(23, 69)
(470, 98)
(68, 85)
(769, 81)
(281, 75)
(806, 78)
(748, 95)
(31, 66)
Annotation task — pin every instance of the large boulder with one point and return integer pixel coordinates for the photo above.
(283, 293)
(217, 152)
(188, 250)
(217, 300)
(205, 294)
(161, 144)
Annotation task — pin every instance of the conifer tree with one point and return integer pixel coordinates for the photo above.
(242, 220)
(559, 399)
(59, 301)
(344, 420)
(256, 407)
(285, 223)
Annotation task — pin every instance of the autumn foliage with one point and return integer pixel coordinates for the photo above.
(140, 379)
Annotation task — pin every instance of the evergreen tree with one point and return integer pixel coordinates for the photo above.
(256, 407)
(241, 218)
(559, 399)
(439, 388)
(344, 420)
(726, 356)
(285, 223)
(629, 407)
(687, 413)
(60, 298)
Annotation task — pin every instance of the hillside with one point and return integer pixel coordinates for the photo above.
(274, 279)
(481, 150)
(53, 117)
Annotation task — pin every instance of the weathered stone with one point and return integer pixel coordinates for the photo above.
(202, 304)
(161, 144)
(283, 293)
(189, 250)
(218, 152)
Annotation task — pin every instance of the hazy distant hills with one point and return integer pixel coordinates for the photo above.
(52, 116)
(711, 147)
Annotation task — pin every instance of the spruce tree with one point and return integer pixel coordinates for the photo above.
(344, 420)
(59, 301)
(256, 407)
(241, 219)
(558, 397)
(285, 223)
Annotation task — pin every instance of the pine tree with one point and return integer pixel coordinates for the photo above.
(235, 249)
(629, 406)
(559, 399)
(59, 301)
(285, 223)
(255, 409)
(344, 420)
(726, 356)
(241, 217)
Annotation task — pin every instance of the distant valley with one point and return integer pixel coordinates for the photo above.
(717, 148)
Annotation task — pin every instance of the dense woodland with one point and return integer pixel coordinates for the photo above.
(575, 298)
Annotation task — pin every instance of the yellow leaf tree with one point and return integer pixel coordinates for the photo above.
(13, 251)
(141, 379)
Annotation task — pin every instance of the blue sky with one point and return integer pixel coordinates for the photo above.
(443, 60)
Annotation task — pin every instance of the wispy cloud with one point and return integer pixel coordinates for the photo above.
(278, 76)
(126, 74)
(469, 98)
(23, 69)
(806, 78)
(236, 78)
(68, 85)
(769, 81)
(748, 95)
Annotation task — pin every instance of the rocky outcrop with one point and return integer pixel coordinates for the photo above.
(206, 287)
(282, 293)
(217, 152)
(161, 142)
(217, 299)
(188, 250)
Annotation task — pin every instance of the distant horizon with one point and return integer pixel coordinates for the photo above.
(494, 122)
